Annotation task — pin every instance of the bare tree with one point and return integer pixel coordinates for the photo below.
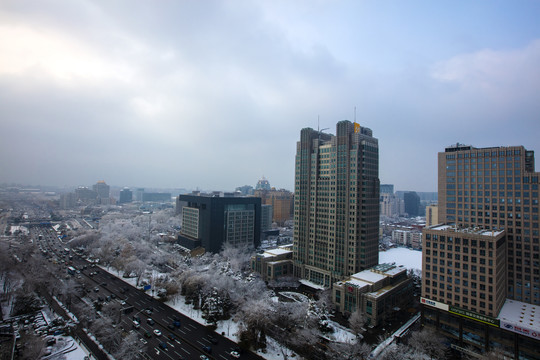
(357, 320)
(429, 343)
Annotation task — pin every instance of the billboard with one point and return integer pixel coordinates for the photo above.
(436, 304)
(522, 330)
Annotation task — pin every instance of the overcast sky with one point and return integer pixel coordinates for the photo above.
(213, 94)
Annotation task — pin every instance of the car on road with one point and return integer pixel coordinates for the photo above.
(171, 326)
(157, 332)
(136, 324)
(96, 289)
(171, 337)
(235, 354)
(203, 357)
(148, 334)
(150, 321)
(207, 349)
(163, 345)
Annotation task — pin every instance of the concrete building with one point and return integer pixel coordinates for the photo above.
(391, 205)
(273, 264)
(465, 268)
(282, 202)
(126, 196)
(102, 189)
(432, 215)
(412, 203)
(267, 212)
(409, 238)
(378, 292)
(211, 221)
(336, 203)
(139, 194)
(496, 188)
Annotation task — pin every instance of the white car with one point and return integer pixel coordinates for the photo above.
(157, 332)
(235, 354)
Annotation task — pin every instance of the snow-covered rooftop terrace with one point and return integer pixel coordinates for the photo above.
(521, 314)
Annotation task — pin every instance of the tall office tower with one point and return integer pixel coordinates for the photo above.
(102, 189)
(126, 196)
(496, 188)
(336, 203)
(412, 203)
(266, 217)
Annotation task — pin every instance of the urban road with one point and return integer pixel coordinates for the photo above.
(190, 340)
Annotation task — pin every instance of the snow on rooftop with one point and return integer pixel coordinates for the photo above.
(520, 314)
(441, 227)
(357, 283)
(278, 251)
(311, 284)
(368, 276)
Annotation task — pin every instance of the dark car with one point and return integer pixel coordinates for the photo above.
(137, 319)
(170, 326)
(150, 321)
(177, 323)
(207, 349)
(148, 334)
(171, 337)
(163, 345)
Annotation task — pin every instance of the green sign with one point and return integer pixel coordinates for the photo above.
(475, 316)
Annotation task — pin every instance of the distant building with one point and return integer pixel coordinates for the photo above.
(409, 238)
(126, 196)
(412, 203)
(85, 195)
(379, 292)
(263, 184)
(391, 205)
(211, 221)
(387, 189)
(245, 190)
(266, 217)
(102, 189)
(282, 202)
(139, 194)
(273, 264)
(156, 197)
(432, 215)
(336, 203)
(68, 200)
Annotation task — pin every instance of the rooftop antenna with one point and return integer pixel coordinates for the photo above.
(319, 130)
(355, 114)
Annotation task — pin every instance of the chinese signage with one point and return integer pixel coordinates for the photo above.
(356, 128)
(520, 330)
(475, 316)
(433, 303)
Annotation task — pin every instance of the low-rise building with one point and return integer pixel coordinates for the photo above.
(378, 292)
(273, 264)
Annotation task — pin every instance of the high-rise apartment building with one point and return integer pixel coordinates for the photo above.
(432, 215)
(496, 188)
(336, 203)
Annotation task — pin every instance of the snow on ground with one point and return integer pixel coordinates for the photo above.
(411, 259)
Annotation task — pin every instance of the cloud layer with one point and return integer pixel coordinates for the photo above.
(214, 94)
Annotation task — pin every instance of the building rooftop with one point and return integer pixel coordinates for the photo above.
(519, 314)
(468, 230)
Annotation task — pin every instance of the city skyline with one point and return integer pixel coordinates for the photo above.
(144, 94)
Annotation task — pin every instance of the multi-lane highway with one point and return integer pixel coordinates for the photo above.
(167, 334)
